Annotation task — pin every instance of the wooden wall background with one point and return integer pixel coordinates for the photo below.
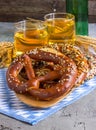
(15, 10)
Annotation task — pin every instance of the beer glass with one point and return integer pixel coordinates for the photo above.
(61, 27)
(29, 34)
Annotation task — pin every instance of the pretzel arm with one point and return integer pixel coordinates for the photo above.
(28, 67)
(50, 76)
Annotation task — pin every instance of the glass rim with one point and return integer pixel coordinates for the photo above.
(58, 13)
(33, 21)
(38, 24)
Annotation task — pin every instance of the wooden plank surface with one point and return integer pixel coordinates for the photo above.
(20, 9)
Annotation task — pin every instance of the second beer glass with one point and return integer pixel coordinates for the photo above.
(61, 27)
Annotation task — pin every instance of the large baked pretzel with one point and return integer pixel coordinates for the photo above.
(66, 74)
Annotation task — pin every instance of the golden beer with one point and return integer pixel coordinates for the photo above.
(29, 38)
(60, 28)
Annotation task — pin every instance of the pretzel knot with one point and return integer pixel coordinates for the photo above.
(59, 76)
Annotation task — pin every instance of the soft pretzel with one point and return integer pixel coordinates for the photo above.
(62, 74)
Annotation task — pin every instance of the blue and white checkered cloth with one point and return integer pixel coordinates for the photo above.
(11, 106)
